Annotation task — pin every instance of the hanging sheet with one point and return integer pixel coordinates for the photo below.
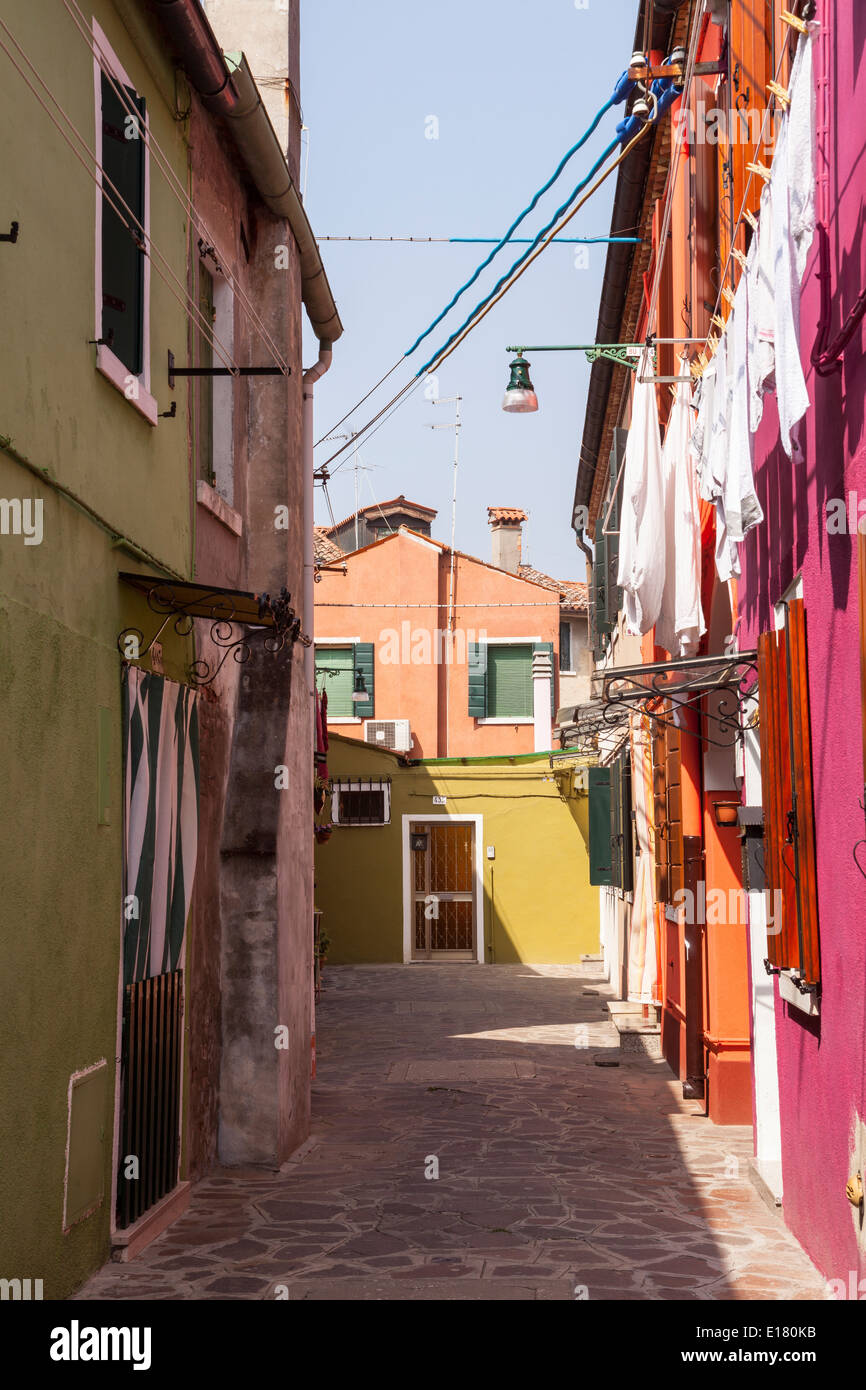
(161, 781)
(642, 957)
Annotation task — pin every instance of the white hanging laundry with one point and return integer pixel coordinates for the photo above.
(680, 623)
(716, 465)
(791, 394)
(762, 311)
(801, 149)
(641, 572)
(704, 402)
(742, 508)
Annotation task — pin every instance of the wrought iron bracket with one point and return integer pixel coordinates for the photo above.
(12, 234)
(663, 689)
(236, 619)
(175, 371)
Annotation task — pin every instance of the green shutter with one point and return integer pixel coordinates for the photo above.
(599, 590)
(599, 825)
(339, 686)
(621, 845)
(122, 260)
(614, 593)
(477, 665)
(548, 647)
(509, 681)
(365, 663)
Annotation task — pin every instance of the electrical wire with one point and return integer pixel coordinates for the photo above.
(174, 185)
(546, 228)
(516, 223)
(145, 242)
(451, 346)
(345, 417)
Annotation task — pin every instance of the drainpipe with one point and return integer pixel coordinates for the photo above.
(310, 377)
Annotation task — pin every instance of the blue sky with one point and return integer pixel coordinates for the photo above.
(512, 86)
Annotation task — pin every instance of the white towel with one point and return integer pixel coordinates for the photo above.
(641, 571)
(742, 508)
(762, 310)
(680, 623)
(716, 462)
(801, 149)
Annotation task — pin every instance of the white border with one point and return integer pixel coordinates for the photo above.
(77, 1076)
(356, 786)
(107, 363)
(480, 933)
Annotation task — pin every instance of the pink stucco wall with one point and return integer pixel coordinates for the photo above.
(822, 1063)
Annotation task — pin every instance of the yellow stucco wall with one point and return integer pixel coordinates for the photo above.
(539, 906)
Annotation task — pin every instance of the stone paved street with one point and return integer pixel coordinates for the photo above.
(557, 1179)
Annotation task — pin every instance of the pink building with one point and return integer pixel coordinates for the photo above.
(809, 1045)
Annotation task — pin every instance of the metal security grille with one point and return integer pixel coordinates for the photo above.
(443, 897)
(150, 1090)
(362, 803)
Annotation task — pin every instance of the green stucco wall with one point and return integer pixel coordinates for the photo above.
(61, 608)
(539, 906)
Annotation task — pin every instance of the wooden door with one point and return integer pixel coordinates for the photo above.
(443, 890)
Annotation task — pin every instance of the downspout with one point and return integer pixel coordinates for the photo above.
(310, 377)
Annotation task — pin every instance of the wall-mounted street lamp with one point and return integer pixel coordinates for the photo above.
(360, 693)
(520, 397)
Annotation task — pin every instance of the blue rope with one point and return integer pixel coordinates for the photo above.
(519, 262)
(558, 241)
(621, 91)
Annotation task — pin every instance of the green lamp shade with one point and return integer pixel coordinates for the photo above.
(520, 397)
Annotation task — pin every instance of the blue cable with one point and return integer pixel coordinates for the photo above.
(519, 262)
(621, 91)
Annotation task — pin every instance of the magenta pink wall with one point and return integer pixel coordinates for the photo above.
(822, 1063)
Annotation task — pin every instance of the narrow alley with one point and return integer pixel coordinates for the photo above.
(558, 1178)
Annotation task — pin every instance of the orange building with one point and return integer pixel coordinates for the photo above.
(423, 649)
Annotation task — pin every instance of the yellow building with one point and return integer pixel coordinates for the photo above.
(473, 859)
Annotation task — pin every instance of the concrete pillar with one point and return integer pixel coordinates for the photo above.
(542, 675)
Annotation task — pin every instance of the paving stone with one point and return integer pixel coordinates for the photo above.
(581, 1179)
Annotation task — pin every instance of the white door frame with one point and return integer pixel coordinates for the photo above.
(409, 916)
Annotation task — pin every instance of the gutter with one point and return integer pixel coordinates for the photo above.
(630, 187)
(227, 88)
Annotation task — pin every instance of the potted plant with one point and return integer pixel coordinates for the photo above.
(321, 788)
(323, 834)
(322, 945)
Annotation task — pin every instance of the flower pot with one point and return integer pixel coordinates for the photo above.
(323, 834)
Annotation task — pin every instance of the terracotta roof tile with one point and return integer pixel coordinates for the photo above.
(506, 514)
(573, 593)
(325, 550)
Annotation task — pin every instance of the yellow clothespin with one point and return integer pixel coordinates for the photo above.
(726, 294)
(779, 92)
(712, 343)
(795, 23)
(739, 257)
(718, 321)
(756, 167)
(751, 219)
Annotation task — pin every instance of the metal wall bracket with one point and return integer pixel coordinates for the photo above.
(175, 371)
(684, 684)
(12, 234)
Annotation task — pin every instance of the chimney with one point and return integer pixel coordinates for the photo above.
(506, 531)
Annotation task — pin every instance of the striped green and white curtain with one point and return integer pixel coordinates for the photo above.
(161, 777)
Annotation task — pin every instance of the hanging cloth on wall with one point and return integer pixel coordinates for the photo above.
(641, 572)
(642, 959)
(681, 620)
(161, 780)
(742, 508)
(321, 755)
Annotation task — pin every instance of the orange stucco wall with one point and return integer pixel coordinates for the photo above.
(409, 681)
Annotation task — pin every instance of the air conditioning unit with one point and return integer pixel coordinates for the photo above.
(388, 733)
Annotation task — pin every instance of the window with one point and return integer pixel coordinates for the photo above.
(786, 777)
(667, 811)
(500, 679)
(611, 845)
(123, 155)
(361, 803)
(122, 270)
(214, 396)
(565, 646)
(509, 682)
(339, 666)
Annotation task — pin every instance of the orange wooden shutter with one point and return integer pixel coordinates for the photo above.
(660, 811)
(775, 758)
(802, 801)
(674, 812)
